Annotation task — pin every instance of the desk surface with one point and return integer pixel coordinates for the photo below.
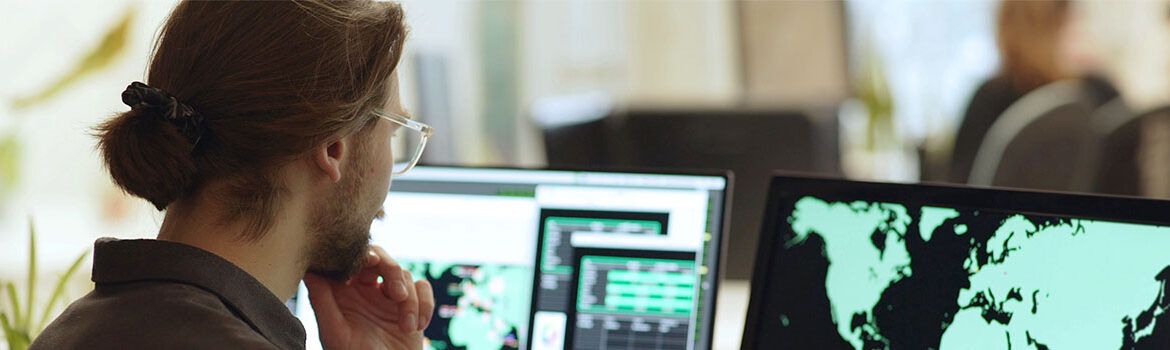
(730, 314)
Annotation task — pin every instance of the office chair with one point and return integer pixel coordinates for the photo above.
(577, 145)
(1123, 144)
(1043, 141)
(575, 129)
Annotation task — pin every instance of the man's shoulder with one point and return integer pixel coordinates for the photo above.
(147, 315)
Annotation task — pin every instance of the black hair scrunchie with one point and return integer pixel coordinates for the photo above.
(162, 105)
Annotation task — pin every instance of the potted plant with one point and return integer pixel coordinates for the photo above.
(21, 321)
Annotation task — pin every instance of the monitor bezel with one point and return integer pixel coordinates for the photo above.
(786, 186)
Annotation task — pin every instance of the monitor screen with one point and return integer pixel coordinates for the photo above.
(863, 265)
(627, 267)
(473, 233)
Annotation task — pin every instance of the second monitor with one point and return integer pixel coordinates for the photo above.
(855, 265)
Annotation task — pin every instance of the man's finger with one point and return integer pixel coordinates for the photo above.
(408, 309)
(426, 303)
(368, 276)
(372, 259)
(369, 272)
(392, 284)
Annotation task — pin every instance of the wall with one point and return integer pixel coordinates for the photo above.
(794, 52)
(1130, 40)
(60, 182)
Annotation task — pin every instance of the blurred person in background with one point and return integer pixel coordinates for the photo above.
(264, 132)
(1038, 45)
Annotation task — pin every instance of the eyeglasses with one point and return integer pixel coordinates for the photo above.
(411, 136)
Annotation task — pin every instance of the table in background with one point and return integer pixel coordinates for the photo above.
(730, 314)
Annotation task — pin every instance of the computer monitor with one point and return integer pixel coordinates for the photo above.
(474, 234)
(628, 267)
(867, 265)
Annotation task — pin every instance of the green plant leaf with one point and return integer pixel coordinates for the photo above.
(59, 291)
(100, 57)
(17, 340)
(9, 163)
(30, 298)
(6, 327)
(9, 333)
(15, 301)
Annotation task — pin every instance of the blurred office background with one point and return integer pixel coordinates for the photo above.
(865, 89)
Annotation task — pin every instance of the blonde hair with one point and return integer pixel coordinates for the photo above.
(1028, 33)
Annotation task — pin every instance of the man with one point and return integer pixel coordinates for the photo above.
(264, 131)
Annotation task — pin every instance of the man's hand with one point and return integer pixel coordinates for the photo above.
(364, 314)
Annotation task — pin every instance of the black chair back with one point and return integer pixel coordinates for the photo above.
(1043, 141)
(1054, 152)
(1125, 143)
(578, 145)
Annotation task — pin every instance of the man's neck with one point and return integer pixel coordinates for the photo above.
(276, 259)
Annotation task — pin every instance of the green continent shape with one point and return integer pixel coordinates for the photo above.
(472, 329)
(438, 268)
(1084, 280)
(858, 272)
(496, 300)
(932, 218)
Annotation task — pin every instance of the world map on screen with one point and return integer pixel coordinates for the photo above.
(477, 307)
(869, 275)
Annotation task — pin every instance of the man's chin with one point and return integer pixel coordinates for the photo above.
(341, 265)
(335, 275)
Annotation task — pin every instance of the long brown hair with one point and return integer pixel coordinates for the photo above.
(1028, 35)
(272, 80)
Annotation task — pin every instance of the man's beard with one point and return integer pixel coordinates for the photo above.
(341, 229)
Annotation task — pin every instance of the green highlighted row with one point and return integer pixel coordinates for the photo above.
(517, 192)
(556, 269)
(644, 226)
(657, 264)
(650, 277)
(640, 306)
(631, 303)
(651, 291)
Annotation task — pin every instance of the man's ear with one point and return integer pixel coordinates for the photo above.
(328, 158)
